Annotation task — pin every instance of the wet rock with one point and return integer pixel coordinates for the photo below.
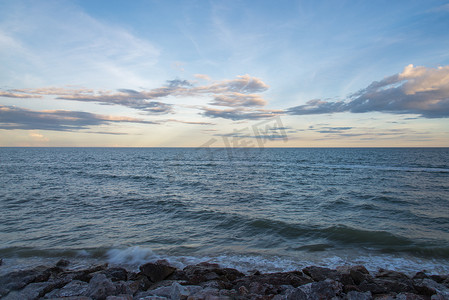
(209, 293)
(387, 281)
(320, 273)
(429, 287)
(359, 274)
(438, 297)
(19, 279)
(31, 291)
(243, 291)
(116, 274)
(156, 272)
(410, 296)
(164, 291)
(62, 263)
(439, 278)
(394, 275)
(83, 275)
(120, 297)
(216, 284)
(203, 272)
(180, 292)
(123, 288)
(294, 279)
(354, 295)
(420, 275)
(74, 288)
(73, 298)
(100, 287)
(384, 297)
(326, 289)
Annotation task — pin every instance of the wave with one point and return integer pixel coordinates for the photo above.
(387, 168)
(132, 257)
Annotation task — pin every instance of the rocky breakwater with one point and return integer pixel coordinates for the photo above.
(159, 280)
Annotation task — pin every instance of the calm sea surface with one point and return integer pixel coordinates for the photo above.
(270, 209)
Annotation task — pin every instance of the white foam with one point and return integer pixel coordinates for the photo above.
(136, 256)
(131, 256)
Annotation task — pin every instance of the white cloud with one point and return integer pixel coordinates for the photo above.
(422, 79)
(237, 92)
(416, 90)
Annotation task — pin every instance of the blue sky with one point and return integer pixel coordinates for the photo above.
(190, 73)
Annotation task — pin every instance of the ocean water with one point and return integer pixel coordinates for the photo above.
(274, 209)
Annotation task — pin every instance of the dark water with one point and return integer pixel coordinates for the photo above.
(272, 209)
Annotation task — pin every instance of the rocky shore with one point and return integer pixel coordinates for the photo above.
(159, 280)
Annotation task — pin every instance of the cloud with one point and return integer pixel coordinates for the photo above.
(178, 82)
(202, 76)
(188, 122)
(333, 129)
(238, 99)
(240, 114)
(39, 137)
(244, 84)
(58, 120)
(238, 92)
(417, 90)
(17, 95)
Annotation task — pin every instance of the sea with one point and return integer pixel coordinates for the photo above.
(266, 209)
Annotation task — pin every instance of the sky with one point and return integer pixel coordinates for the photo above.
(231, 73)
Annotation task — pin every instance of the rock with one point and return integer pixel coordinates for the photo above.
(354, 295)
(438, 297)
(439, 278)
(382, 273)
(203, 272)
(116, 274)
(320, 273)
(243, 291)
(296, 294)
(120, 297)
(156, 272)
(100, 287)
(62, 263)
(429, 287)
(420, 275)
(31, 291)
(260, 288)
(173, 291)
(133, 286)
(19, 279)
(209, 294)
(410, 296)
(387, 281)
(231, 294)
(164, 291)
(73, 298)
(83, 275)
(123, 288)
(359, 274)
(74, 288)
(295, 279)
(385, 297)
(326, 289)
(178, 291)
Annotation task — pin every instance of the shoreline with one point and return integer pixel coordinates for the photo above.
(205, 280)
(132, 257)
